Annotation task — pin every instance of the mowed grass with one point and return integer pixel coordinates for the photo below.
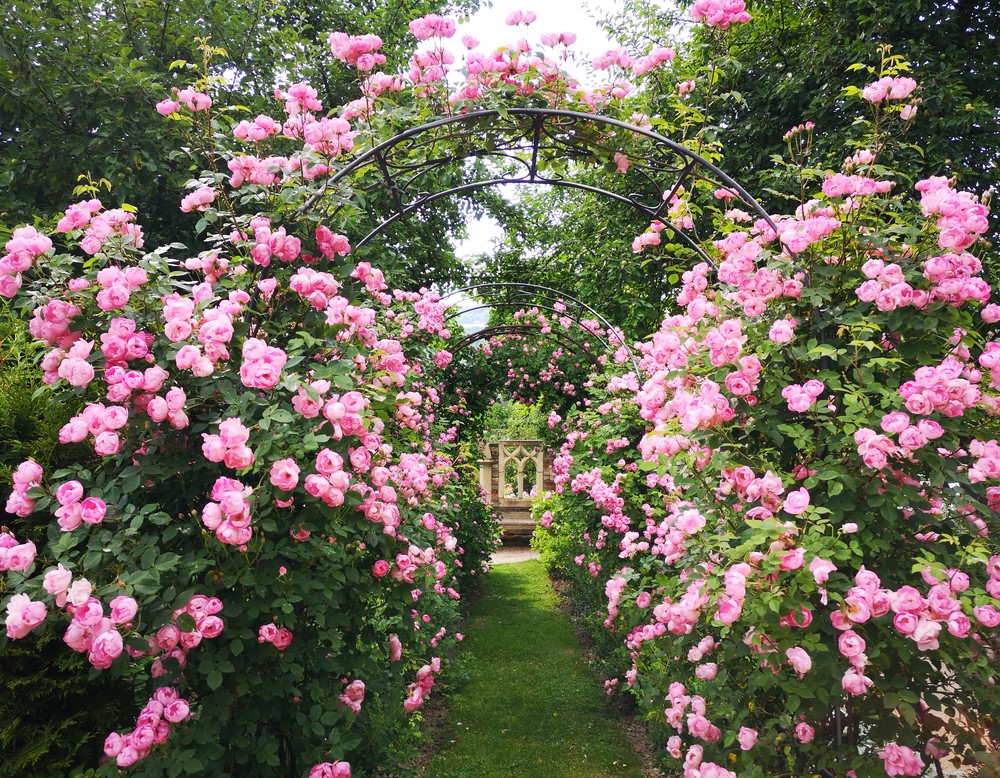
(531, 707)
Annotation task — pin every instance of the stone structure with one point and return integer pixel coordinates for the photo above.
(512, 472)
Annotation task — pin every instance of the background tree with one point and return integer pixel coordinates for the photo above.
(78, 82)
(792, 63)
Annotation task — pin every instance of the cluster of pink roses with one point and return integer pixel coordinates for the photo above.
(331, 770)
(419, 690)
(178, 639)
(27, 476)
(50, 323)
(362, 51)
(23, 615)
(331, 482)
(272, 244)
(100, 421)
(261, 368)
(801, 398)
(229, 513)
(432, 26)
(114, 224)
(74, 510)
(152, 727)
(198, 200)
(961, 217)
(315, 287)
(720, 13)
(839, 185)
(279, 637)
(24, 247)
(889, 88)
(229, 446)
(875, 449)
(15, 556)
(651, 237)
(263, 126)
(948, 388)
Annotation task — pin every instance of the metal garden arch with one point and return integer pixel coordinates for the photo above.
(534, 146)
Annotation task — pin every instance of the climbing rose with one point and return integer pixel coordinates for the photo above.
(799, 659)
(900, 760)
(747, 738)
(331, 770)
(804, 732)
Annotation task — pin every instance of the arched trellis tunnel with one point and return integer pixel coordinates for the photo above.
(528, 146)
(522, 296)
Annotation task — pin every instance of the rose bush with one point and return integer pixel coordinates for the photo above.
(794, 557)
(271, 530)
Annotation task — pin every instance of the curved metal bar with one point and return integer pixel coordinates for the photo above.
(426, 198)
(532, 133)
(525, 329)
(539, 115)
(484, 291)
(603, 342)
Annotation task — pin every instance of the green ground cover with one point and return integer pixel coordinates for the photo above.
(531, 707)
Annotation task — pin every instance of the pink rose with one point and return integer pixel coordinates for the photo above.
(105, 649)
(176, 711)
(900, 760)
(851, 644)
(331, 770)
(380, 569)
(926, 634)
(123, 609)
(285, 474)
(792, 560)
(804, 732)
(69, 493)
(747, 738)
(282, 639)
(93, 510)
(796, 502)
(395, 649)
(986, 615)
(799, 659)
(854, 682)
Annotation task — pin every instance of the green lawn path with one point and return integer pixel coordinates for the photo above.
(531, 707)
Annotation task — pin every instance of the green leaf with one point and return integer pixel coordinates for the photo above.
(186, 623)
(214, 680)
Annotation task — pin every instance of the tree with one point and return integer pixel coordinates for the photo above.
(79, 81)
(796, 58)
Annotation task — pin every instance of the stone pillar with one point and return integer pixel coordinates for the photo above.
(486, 470)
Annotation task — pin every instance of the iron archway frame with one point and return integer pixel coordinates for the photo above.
(533, 144)
(528, 146)
(502, 294)
(502, 330)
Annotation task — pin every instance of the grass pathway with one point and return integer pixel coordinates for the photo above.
(531, 707)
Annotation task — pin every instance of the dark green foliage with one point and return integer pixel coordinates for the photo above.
(79, 81)
(795, 56)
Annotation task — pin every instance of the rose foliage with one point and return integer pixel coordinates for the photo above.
(787, 534)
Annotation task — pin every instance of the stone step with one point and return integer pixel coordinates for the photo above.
(511, 527)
